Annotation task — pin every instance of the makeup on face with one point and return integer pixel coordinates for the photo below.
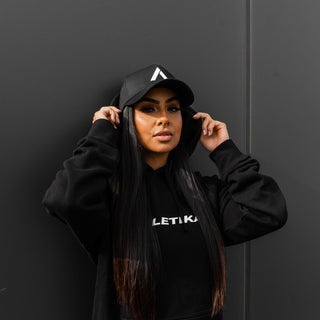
(158, 120)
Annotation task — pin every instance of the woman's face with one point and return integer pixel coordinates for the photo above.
(158, 110)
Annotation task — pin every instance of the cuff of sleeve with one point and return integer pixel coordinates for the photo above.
(103, 130)
(226, 156)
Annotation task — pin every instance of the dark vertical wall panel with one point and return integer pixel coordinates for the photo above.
(60, 62)
(285, 136)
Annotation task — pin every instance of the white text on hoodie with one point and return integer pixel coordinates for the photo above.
(174, 220)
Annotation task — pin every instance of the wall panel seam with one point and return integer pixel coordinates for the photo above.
(248, 139)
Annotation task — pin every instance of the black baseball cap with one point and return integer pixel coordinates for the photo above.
(138, 83)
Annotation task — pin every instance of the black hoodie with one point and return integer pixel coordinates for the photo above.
(246, 204)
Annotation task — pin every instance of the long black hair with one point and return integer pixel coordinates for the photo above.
(136, 251)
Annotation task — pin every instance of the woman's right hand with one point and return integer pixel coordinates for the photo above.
(109, 113)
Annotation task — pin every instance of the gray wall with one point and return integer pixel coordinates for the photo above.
(285, 123)
(253, 66)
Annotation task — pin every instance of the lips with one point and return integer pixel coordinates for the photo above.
(164, 133)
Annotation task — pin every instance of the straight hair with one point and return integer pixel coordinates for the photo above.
(137, 256)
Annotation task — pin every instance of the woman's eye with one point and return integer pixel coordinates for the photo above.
(147, 109)
(151, 109)
(174, 108)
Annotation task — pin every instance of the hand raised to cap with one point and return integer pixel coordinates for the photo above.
(110, 113)
(213, 132)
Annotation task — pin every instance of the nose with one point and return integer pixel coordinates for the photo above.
(163, 118)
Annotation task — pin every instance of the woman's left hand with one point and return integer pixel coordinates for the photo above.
(213, 132)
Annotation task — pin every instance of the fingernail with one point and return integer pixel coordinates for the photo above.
(209, 133)
(204, 132)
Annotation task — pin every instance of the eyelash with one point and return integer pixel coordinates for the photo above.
(144, 109)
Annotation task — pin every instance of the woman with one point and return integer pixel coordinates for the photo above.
(155, 227)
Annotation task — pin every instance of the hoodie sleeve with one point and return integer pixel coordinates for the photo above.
(79, 195)
(246, 203)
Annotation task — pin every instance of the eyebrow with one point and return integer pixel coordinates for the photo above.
(156, 101)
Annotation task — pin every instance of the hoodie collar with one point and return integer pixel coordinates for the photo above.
(159, 170)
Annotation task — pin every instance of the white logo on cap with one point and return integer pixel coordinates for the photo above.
(156, 73)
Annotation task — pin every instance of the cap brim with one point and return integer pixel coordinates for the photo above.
(183, 91)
